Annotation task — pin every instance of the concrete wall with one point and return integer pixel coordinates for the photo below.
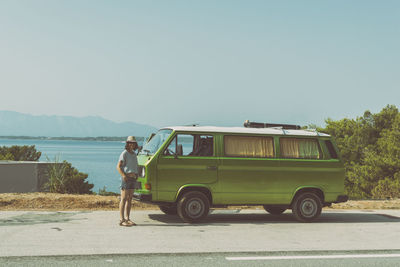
(22, 176)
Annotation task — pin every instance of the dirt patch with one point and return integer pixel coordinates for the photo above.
(61, 202)
(368, 204)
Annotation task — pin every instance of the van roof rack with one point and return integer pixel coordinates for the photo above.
(250, 124)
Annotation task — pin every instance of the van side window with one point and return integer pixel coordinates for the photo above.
(203, 145)
(171, 149)
(249, 146)
(331, 149)
(191, 145)
(297, 148)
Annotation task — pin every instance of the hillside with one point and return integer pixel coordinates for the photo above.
(19, 124)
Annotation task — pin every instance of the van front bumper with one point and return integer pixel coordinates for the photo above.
(142, 197)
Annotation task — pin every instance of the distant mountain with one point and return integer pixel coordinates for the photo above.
(14, 123)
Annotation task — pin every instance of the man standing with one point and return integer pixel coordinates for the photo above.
(128, 169)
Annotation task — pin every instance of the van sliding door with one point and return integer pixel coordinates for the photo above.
(248, 170)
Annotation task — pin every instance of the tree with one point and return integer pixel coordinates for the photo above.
(370, 148)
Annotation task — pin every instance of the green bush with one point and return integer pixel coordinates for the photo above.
(19, 153)
(65, 179)
(370, 148)
(6, 156)
(387, 188)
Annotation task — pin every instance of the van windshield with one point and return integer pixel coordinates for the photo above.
(155, 143)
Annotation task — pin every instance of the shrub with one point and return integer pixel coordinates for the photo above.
(387, 188)
(19, 153)
(65, 179)
(7, 156)
(370, 149)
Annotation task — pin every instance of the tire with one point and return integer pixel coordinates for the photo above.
(169, 210)
(193, 207)
(274, 210)
(306, 207)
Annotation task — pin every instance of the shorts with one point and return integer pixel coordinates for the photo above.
(131, 183)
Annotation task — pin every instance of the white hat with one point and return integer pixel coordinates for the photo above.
(131, 139)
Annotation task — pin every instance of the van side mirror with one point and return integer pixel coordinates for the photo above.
(149, 138)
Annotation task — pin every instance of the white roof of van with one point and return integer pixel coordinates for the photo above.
(244, 130)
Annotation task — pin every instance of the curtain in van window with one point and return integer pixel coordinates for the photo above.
(299, 148)
(249, 147)
(289, 148)
(309, 149)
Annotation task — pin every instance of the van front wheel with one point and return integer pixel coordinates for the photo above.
(193, 207)
(306, 207)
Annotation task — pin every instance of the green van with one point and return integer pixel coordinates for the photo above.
(188, 169)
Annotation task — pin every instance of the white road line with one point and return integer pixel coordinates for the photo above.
(354, 256)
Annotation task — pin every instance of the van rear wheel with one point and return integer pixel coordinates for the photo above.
(306, 207)
(169, 210)
(193, 207)
(274, 210)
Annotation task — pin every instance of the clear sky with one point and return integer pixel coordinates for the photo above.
(214, 62)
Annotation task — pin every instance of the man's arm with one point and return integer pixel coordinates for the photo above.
(119, 169)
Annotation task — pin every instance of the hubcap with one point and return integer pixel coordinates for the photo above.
(194, 208)
(308, 207)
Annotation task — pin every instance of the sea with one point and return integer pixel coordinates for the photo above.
(98, 159)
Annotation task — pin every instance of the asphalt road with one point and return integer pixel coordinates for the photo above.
(234, 237)
(314, 259)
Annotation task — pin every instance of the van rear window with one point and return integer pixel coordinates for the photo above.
(297, 148)
(249, 146)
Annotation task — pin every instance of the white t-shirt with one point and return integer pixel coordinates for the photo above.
(129, 162)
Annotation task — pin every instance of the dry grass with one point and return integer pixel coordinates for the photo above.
(51, 201)
(368, 204)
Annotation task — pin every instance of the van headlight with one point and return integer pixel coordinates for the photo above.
(142, 171)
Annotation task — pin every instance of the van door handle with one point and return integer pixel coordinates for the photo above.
(212, 168)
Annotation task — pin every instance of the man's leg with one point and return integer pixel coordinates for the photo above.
(122, 204)
(129, 195)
